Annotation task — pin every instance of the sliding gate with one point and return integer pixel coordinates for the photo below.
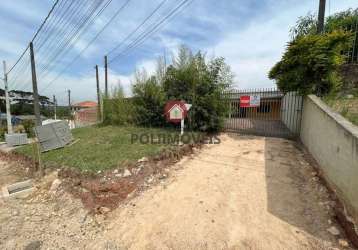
(265, 112)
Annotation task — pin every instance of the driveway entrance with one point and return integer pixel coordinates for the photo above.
(272, 114)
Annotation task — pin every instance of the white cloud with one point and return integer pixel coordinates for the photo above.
(254, 49)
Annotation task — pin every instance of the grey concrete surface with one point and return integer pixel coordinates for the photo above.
(333, 142)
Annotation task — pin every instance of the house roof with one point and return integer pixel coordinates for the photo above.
(85, 104)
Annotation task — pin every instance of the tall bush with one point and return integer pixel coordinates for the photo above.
(192, 79)
(310, 64)
(148, 100)
(118, 110)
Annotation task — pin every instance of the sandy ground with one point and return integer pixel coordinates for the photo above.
(244, 193)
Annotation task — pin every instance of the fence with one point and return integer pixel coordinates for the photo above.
(272, 112)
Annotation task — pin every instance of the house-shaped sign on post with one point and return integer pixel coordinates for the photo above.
(176, 111)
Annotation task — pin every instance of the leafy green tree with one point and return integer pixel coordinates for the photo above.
(310, 63)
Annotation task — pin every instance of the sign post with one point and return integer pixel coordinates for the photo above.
(176, 111)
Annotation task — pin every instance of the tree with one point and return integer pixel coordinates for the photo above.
(202, 84)
(118, 110)
(148, 100)
(310, 64)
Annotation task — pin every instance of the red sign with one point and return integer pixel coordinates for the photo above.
(245, 101)
(175, 111)
(250, 101)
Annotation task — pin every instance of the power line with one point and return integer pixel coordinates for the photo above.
(142, 37)
(36, 33)
(47, 40)
(138, 27)
(68, 37)
(79, 33)
(88, 45)
(57, 21)
(43, 23)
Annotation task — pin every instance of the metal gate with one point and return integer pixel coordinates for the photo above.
(264, 112)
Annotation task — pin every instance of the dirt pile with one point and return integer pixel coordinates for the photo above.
(108, 189)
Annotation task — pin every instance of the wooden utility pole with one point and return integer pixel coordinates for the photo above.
(34, 86)
(55, 106)
(98, 96)
(7, 100)
(321, 16)
(106, 76)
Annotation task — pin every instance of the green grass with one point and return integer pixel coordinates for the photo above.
(348, 108)
(102, 147)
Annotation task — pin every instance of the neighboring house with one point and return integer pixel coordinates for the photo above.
(84, 105)
(85, 113)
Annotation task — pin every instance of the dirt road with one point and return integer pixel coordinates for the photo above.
(244, 193)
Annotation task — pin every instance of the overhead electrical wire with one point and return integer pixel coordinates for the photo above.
(106, 25)
(135, 30)
(88, 45)
(36, 33)
(142, 37)
(39, 60)
(41, 36)
(68, 34)
(76, 36)
(138, 27)
(57, 22)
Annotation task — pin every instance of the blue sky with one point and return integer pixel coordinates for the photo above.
(250, 34)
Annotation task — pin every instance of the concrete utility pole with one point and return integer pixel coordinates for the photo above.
(69, 99)
(106, 76)
(98, 95)
(34, 86)
(7, 100)
(321, 16)
(55, 106)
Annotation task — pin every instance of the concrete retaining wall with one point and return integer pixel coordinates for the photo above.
(333, 142)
